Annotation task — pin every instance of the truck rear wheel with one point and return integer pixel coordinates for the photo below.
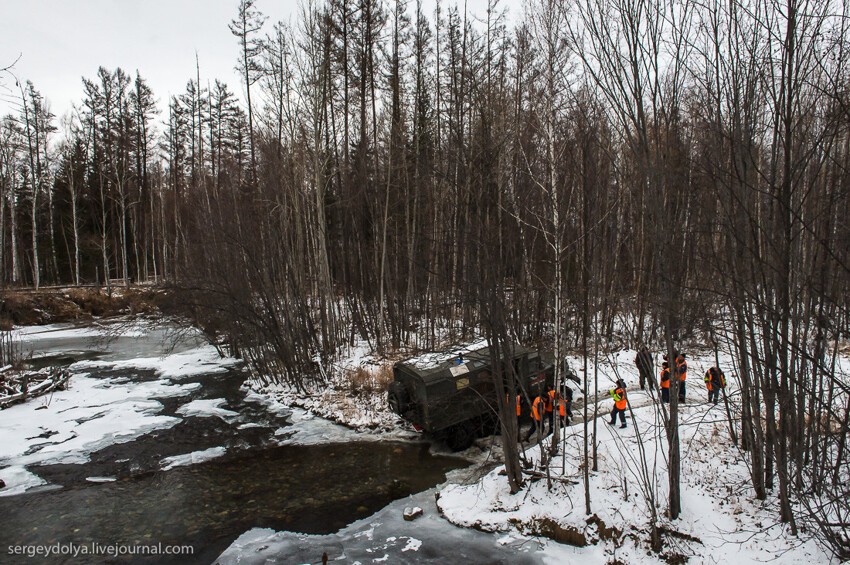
(461, 436)
(398, 399)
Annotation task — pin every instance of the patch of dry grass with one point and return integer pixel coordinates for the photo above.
(364, 381)
(384, 377)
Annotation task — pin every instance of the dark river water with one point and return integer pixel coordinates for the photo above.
(314, 489)
(310, 489)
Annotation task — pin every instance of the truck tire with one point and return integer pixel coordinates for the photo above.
(398, 399)
(461, 436)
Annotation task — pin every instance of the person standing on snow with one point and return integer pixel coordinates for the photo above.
(644, 363)
(714, 381)
(682, 371)
(550, 406)
(620, 403)
(537, 409)
(665, 382)
(566, 403)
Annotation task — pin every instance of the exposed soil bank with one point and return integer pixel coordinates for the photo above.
(75, 304)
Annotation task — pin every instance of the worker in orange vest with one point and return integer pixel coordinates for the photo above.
(714, 381)
(551, 401)
(682, 371)
(620, 403)
(518, 411)
(565, 406)
(538, 408)
(665, 382)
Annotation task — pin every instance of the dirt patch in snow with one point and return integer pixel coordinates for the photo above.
(549, 528)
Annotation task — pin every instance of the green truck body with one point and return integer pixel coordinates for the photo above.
(452, 396)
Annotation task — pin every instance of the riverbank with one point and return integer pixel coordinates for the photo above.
(29, 307)
(721, 520)
(139, 410)
(156, 423)
(354, 394)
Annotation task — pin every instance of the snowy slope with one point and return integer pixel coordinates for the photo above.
(721, 522)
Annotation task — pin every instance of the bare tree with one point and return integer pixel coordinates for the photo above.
(245, 26)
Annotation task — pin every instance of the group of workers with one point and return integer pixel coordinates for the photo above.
(543, 409)
(544, 405)
(714, 378)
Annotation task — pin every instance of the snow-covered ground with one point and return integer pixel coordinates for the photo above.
(720, 522)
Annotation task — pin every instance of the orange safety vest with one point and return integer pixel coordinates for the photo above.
(562, 407)
(619, 395)
(535, 409)
(518, 408)
(708, 379)
(550, 402)
(681, 368)
(665, 378)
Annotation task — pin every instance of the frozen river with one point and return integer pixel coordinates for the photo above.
(158, 441)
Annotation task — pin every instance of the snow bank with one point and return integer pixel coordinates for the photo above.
(363, 410)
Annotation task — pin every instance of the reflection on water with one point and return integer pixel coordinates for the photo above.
(310, 489)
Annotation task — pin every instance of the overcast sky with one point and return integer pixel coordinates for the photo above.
(61, 41)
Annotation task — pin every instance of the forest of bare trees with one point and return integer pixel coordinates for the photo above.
(393, 172)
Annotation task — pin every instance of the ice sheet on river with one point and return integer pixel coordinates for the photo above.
(192, 458)
(56, 331)
(98, 411)
(208, 407)
(203, 360)
(308, 429)
(93, 413)
(386, 537)
(18, 480)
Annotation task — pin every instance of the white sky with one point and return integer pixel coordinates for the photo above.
(61, 41)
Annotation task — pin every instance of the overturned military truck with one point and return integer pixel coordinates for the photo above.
(452, 396)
